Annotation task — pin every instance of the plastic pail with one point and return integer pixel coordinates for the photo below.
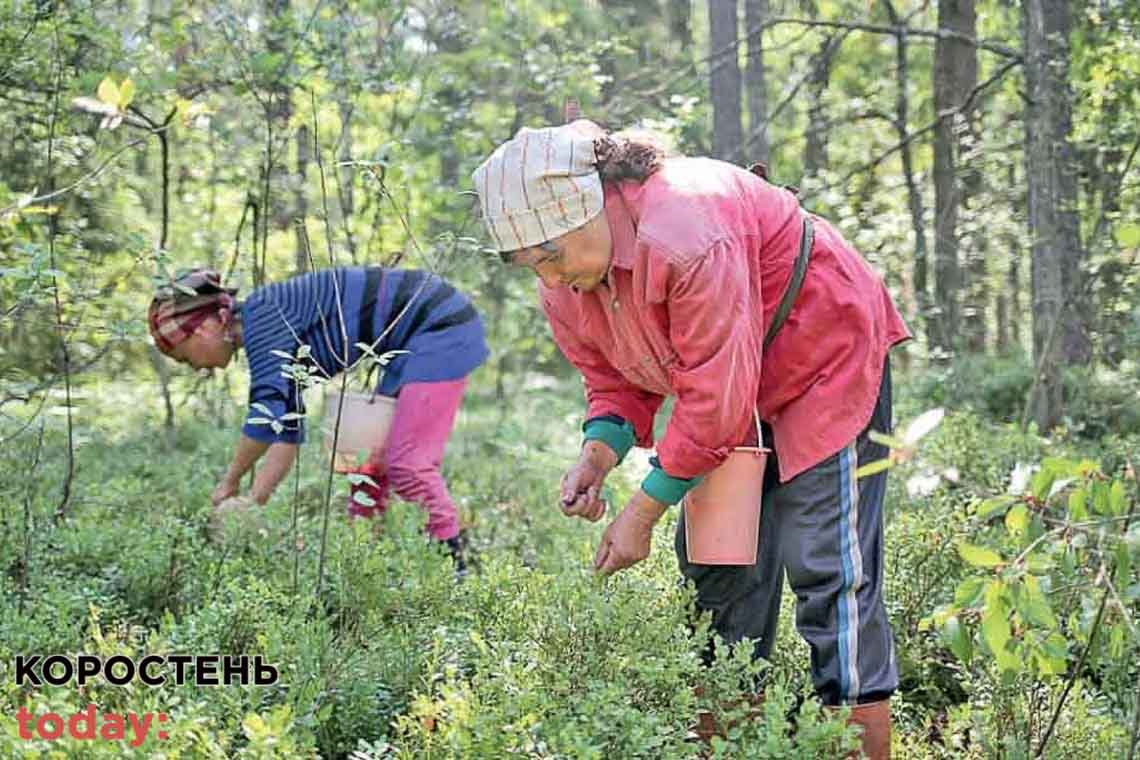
(364, 424)
(722, 514)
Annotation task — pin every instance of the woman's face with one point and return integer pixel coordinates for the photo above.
(579, 259)
(206, 348)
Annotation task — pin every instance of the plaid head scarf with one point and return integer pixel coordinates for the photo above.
(181, 306)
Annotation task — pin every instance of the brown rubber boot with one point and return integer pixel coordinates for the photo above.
(875, 719)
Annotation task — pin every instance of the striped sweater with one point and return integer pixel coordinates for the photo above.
(395, 309)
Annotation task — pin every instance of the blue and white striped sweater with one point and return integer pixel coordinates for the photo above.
(414, 311)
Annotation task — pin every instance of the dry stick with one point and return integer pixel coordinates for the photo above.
(293, 535)
(1088, 647)
(53, 224)
(344, 373)
(249, 203)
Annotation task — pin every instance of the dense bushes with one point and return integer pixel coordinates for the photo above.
(532, 655)
(1097, 403)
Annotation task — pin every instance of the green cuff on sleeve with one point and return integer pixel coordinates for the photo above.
(665, 488)
(620, 438)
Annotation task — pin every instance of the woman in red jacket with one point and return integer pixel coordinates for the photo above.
(664, 276)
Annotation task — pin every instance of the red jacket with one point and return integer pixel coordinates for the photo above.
(702, 253)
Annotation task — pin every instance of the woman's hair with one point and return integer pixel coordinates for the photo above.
(630, 154)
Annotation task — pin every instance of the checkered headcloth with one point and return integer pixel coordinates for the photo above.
(179, 307)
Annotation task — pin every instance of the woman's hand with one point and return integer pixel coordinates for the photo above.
(627, 539)
(582, 483)
(224, 490)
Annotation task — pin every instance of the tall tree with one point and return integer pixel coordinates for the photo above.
(755, 84)
(815, 153)
(914, 194)
(724, 78)
(1050, 169)
(955, 76)
(680, 22)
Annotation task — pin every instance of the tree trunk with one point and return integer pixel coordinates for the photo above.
(1053, 223)
(815, 152)
(755, 14)
(346, 176)
(955, 75)
(1013, 286)
(914, 193)
(680, 26)
(975, 284)
(724, 79)
(279, 111)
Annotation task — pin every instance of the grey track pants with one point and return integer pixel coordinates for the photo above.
(825, 530)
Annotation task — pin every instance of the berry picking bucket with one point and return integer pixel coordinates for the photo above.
(364, 424)
(722, 514)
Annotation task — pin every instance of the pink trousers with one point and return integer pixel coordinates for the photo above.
(409, 461)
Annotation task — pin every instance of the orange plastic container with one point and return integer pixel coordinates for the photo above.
(364, 424)
(722, 514)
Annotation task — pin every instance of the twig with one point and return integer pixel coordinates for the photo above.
(856, 26)
(346, 349)
(53, 228)
(1088, 647)
(78, 183)
(908, 139)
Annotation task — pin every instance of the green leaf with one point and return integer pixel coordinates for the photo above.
(1101, 498)
(1128, 235)
(995, 627)
(969, 591)
(1056, 646)
(958, 639)
(1123, 570)
(1016, 520)
(873, 467)
(1034, 606)
(995, 505)
(108, 92)
(1078, 504)
(883, 439)
(1042, 482)
(1039, 563)
(1117, 501)
(126, 93)
(979, 556)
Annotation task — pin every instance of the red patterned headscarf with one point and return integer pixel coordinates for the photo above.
(179, 308)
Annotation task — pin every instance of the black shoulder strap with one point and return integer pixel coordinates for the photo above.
(794, 285)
